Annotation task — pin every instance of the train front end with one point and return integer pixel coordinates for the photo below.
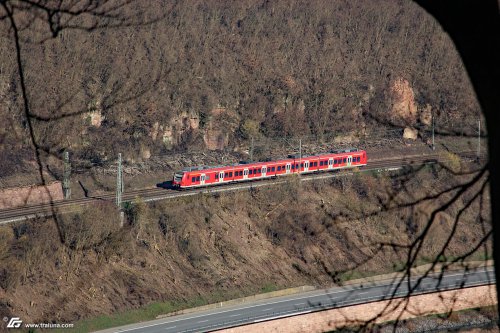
(178, 177)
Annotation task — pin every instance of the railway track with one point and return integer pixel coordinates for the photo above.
(154, 194)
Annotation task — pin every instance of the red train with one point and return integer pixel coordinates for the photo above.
(208, 176)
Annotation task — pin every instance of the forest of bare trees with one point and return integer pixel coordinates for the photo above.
(287, 67)
(97, 78)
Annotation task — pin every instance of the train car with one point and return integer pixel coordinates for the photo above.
(215, 175)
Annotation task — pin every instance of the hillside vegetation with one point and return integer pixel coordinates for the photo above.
(214, 74)
(212, 247)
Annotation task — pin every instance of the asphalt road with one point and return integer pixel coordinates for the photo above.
(279, 307)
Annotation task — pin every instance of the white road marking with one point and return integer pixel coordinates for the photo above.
(314, 294)
(282, 316)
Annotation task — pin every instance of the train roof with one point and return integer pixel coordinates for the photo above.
(267, 160)
(347, 150)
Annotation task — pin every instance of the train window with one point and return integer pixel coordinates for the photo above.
(231, 174)
(272, 168)
(296, 165)
(258, 170)
(250, 171)
(335, 161)
(226, 175)
(344, 160)
(216, 176)
(198, 178)
(293, 166)
(358, 159)
(320, 163)
(279, 167)
(193, 179)
(315, 164)
(301, 165)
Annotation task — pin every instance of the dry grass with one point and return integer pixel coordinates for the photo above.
(314, 233)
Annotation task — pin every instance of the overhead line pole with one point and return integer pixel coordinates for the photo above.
(119, 182)
(66, 174)
(119, 190)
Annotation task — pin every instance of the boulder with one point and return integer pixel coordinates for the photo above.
(410, 133)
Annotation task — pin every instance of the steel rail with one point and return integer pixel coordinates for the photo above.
(154, 194)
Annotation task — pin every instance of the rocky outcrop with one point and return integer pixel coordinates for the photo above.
(171, 134)
(426, 115)
(215, 139)
(145, 153)
(96, 118)
(94, 113)
(402, 99)
(221, 122)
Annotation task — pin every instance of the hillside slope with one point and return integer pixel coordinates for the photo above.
(213, 75)
(223, 246)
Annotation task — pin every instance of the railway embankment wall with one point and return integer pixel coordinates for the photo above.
(30, 195)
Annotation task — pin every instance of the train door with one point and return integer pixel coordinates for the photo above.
(288, 167)
(306, 166)
(264, 170)
(349, 160)
(221, 176)
(330, 163)
(245, 173)
(202, 179)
